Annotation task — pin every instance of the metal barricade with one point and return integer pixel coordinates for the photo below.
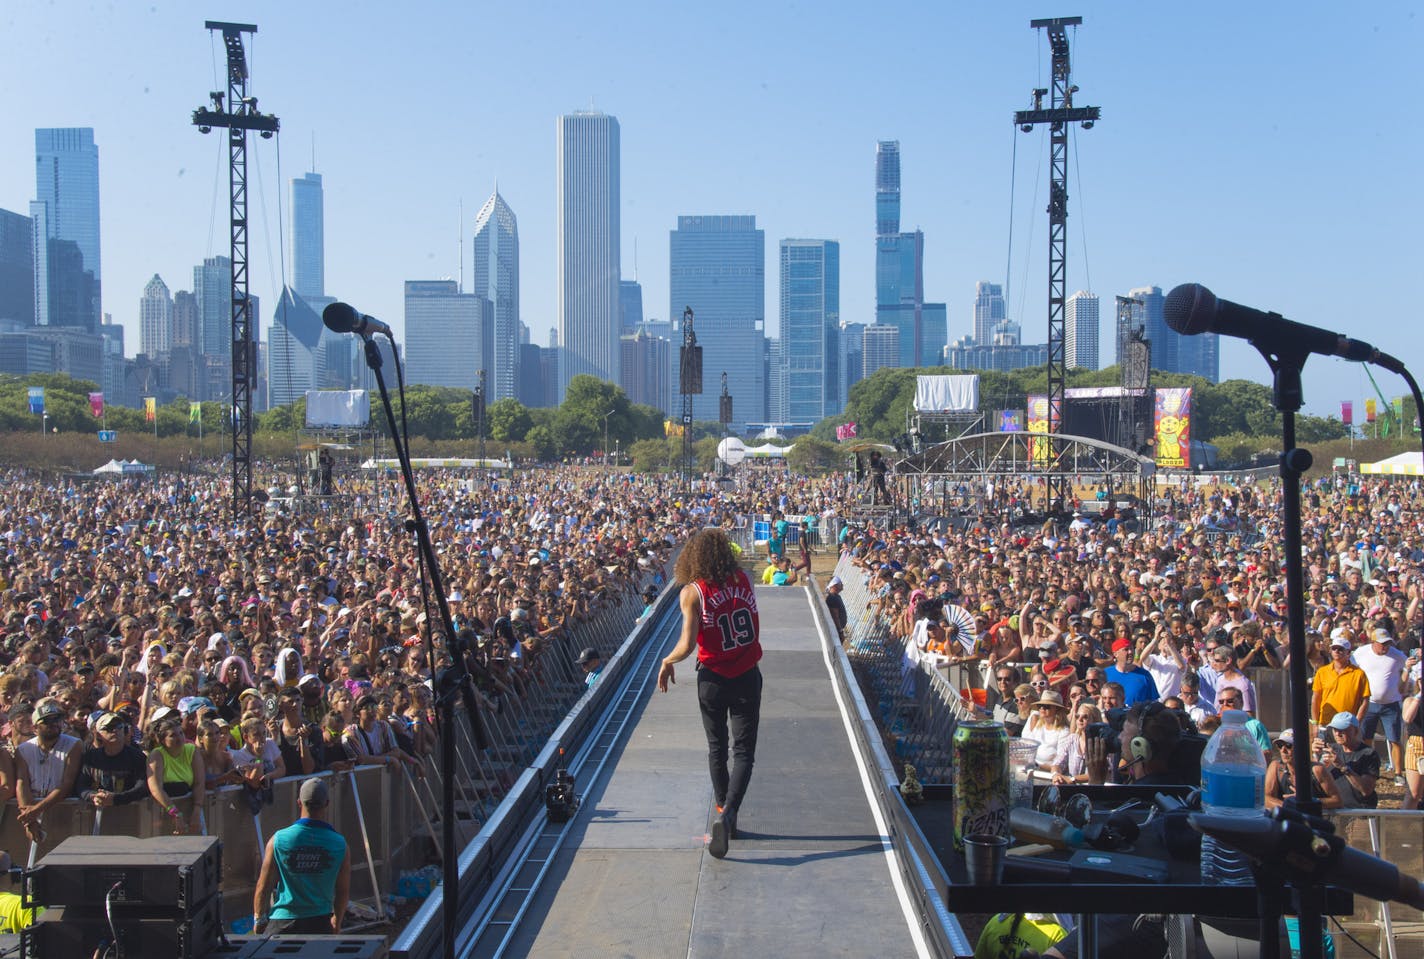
(916, 706)
(1396, 835)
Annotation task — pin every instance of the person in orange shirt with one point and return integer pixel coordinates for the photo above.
(1339, 686)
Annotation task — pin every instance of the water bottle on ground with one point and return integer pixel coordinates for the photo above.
(1233, 784)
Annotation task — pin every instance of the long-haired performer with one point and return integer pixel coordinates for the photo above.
(719, 620)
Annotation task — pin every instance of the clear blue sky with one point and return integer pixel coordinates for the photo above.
(1269, 151)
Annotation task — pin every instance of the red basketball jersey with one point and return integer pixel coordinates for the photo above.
(729, 635)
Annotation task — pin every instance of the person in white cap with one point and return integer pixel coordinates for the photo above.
(835, 606)
(1384, 667)
(309, 866)
(1339, 685)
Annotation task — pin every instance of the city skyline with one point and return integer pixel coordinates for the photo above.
(721, 140)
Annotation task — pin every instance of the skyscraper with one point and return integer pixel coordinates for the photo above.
(1080, 331)
(443, 334)
(212, 290)
(66, 212)
(589, 266)
(294, 351)
(630, 305)
(497, 280)
(717, 266)
(155, 319)
(308, 237)
(17, 269)
(880, 348)
(810, 327)
(989, 311)
(899, 260)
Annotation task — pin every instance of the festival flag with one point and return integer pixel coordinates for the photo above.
(1398, 404)
(1347, 412)
(1036, 417)
(195, 412)
(150, 409)
(96, 404)
(671, 429)
(1369, 411)
(37, 406)
(1010, 421)
(846, 431)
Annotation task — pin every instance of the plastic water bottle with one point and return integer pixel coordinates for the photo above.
(1233, 784)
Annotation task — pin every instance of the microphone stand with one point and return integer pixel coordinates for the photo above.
(1287, 397)
(452, 683)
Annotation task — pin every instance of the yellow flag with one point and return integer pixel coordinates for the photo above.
(150, 408)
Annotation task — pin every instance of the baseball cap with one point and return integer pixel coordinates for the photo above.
(47, 709)
(314, 794)
(1287, 736)
(836, 581)
(310, 680)
(1121, 644)
(160, 714)
(109, 721)
(587, 656)
(1340, 638)
(1382, 636)
(1343, 720)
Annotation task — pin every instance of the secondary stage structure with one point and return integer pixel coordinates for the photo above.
(1059, 114)
(977, 472)
(240, 116)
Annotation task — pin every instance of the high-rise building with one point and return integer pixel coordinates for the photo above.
(67, 204)
(589, 266)
(443, 334)
(212, 291)
(308, 237)
(852, 346)
(1080, 331)
(1199, 355)
(810, 327)
(630, 305)
(497, 281)
(880, 348)
(17, 270)
(965, 354)
(155, 319)
(989, 311)
(934, 333)
(295, 351)
(899, 261)
(717, 266)
(185, 320)
(774, 362)
(647, 369)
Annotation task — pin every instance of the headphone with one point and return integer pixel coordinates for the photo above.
(1157, 736)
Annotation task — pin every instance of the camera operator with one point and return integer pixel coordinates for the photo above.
(1149, 742)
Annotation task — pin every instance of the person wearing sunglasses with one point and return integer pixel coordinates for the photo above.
(112, 772)
(45, 767)
(1006, 708)
(1280, 777)
(1339, 686)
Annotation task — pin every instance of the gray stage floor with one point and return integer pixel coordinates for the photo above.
(809, 875)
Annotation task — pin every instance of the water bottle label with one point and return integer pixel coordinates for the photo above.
(1232, 789)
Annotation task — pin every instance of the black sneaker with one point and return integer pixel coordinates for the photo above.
(723, 828)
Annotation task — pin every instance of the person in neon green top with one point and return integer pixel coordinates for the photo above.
(175, 769)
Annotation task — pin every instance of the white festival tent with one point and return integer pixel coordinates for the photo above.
(123, 467)
(1405, 464)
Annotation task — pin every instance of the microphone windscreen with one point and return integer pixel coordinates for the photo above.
(341, 318)
(1189, 309)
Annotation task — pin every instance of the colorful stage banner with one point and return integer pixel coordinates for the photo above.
(1010, 421)
(96, 404)
(1347, 412)
(1173, 425)
(150, 408)
(195, 412)
(37, 406)
(1036, 416)
(1369, 411)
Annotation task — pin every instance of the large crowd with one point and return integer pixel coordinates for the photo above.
(1074, 622)
(152, 648)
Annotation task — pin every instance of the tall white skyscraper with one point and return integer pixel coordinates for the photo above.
(444, 333)
(587, 201)
(989, 311)
(155, 319)
(308, 237)
(1080, 331)
(497, 280)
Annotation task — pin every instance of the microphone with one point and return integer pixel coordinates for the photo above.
(345, 318)
(1292, 845)
(1191, 309)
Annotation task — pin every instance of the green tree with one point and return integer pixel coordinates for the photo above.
(811, 455)
(654, 455)
(508, 420)
(544, 443)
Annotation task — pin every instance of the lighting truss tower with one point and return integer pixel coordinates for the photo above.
(1058, 116)
(724, 406)
(690, 383)
(240, 115)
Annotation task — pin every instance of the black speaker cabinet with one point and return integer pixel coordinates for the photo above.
(76, 933)
(169, 872)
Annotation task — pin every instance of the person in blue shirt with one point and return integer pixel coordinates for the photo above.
(309, 865)
(1137, 683)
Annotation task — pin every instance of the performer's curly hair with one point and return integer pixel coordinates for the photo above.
(707, 556)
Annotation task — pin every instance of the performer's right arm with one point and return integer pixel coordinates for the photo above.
(691, 602)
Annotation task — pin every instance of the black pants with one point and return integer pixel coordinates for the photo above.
(308, 926)
(730, 705)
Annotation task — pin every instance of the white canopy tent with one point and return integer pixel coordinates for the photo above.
(1404, 464)
(123, 467)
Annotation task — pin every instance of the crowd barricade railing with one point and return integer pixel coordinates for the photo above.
(1393, 835)
(916, 705)
(390, 818)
